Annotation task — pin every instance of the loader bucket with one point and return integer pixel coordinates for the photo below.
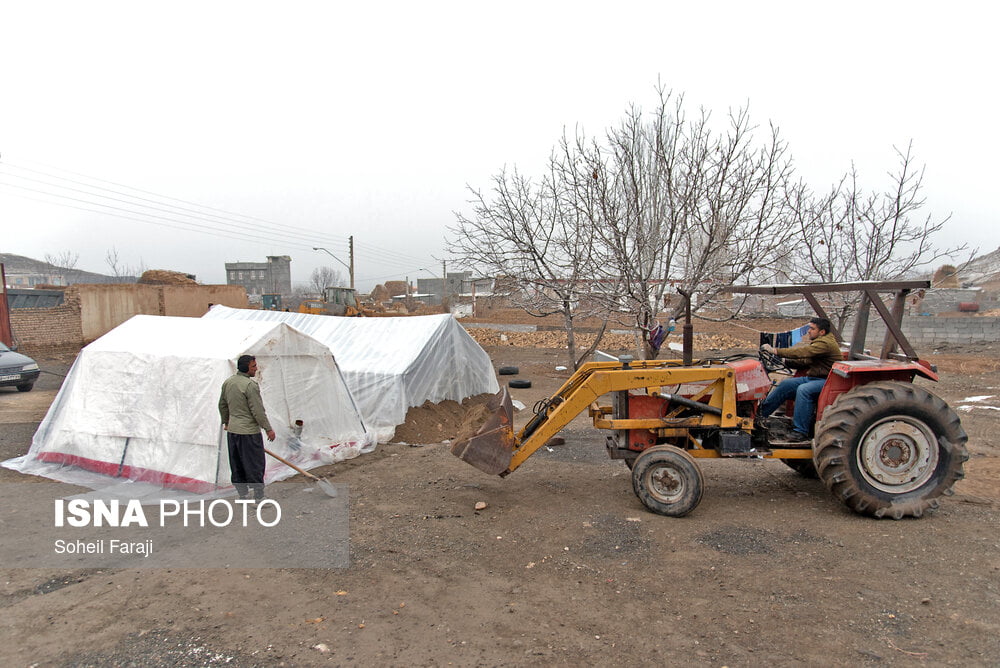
(486, 439)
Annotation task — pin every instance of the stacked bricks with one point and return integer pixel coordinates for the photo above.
(43, 332)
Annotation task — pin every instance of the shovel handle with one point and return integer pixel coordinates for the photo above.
(292, 466)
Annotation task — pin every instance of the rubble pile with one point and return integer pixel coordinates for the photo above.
(610, 341)
(165, 277)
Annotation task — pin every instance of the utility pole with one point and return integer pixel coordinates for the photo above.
(444, 281)
(350, 240)
(350, 267)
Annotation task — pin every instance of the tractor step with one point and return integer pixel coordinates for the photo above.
(784, 442)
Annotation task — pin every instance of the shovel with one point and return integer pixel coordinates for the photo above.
(323, 483)
(487, 438)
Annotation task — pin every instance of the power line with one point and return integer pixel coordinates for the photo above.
(184, 226)
(403, 273)
(210, 224)
(233, 223)
(176, 226)
(381, 252)
(147, 192)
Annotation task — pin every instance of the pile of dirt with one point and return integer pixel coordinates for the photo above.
(165, 277)
(435, 423)
(493, 337)
(610, 341)
(395, 288)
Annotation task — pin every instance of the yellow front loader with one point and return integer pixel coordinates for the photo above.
(884, 446)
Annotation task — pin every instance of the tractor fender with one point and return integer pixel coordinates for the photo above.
(849, 374)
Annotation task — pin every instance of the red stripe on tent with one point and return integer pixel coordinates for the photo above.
(136, 473)
(105, 468)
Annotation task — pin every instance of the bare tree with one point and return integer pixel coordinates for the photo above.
(668, 203)
(121, 272)
(850, 234)
(67, 261)
(679, 206)
(531, 237)
(324, 277)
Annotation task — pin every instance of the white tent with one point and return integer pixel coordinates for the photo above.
(391, 364)
(141, 403)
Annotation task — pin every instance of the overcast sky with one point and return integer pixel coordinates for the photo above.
(277, 127)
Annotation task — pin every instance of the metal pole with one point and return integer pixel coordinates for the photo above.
(687, 332)
(350, 240)
(350, 267)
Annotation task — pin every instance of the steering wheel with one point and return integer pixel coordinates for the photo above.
(772, 363)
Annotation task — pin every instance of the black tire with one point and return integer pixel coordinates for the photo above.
(508, 371)
(667, 480)
(804, 467)
(519, 383)
(25, 388)
(890, 449)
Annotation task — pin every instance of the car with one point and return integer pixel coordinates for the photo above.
(18, 370)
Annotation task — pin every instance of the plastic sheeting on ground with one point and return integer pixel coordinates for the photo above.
(141, 404)
(391, 364)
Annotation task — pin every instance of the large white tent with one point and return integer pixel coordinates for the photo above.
(141, 404)
(391, 364)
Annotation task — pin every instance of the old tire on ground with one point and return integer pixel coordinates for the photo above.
(508, 371)
(804, 467)
(667, 480)
(25, 388)
(519, 383)
(890, 449)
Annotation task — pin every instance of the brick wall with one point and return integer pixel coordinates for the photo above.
(90, 311)
(49, 331)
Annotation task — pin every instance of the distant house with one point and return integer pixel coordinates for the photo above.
(262, 278)
(25, 272)
(457, 285)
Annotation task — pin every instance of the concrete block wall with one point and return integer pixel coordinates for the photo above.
(948, 299)
(925, 331)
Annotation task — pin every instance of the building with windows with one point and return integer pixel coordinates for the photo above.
(273, 277)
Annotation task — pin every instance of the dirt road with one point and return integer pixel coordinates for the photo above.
(563, 567)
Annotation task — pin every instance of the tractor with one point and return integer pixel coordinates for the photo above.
(884, 446)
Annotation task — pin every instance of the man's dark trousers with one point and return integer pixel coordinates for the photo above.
(246, 461)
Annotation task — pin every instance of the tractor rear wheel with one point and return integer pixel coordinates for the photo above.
(890, 449)
(667, 480)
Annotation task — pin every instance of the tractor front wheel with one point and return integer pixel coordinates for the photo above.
(667, 480)
(890, 449)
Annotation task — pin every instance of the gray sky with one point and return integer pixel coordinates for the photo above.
(327, 119)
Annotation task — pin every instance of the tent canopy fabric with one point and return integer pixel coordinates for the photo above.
(391, 364)
(141, 403)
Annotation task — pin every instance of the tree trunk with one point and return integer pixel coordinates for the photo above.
(570, 335)
(597, 340)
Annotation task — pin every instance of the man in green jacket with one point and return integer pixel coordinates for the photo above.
(816, 354)
(243, 418)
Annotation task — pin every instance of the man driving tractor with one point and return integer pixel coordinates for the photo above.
(816, 355)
